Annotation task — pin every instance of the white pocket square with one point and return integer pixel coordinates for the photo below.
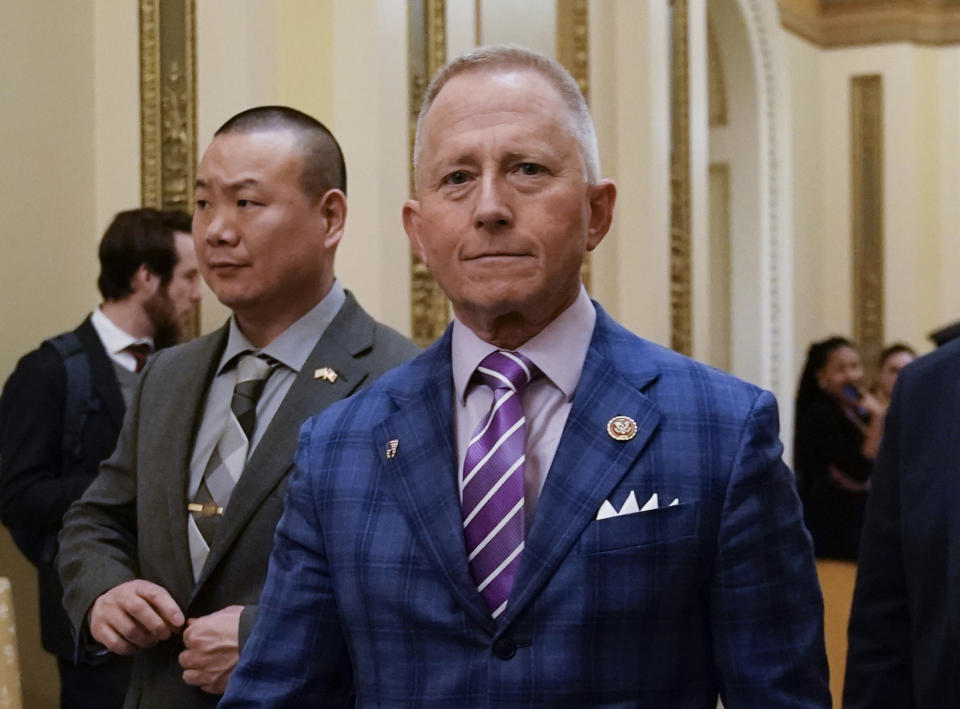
(630, 507)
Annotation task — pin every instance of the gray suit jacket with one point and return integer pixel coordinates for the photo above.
(131, 523)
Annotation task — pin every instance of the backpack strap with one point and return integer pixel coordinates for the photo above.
(80, 400)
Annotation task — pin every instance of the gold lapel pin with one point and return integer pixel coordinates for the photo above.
(391, 450)
(621, 428)
(326, 374)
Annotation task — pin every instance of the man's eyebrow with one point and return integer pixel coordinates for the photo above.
(231, 186)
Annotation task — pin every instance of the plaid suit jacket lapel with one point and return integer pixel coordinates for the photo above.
(587, 466)
(423, 474)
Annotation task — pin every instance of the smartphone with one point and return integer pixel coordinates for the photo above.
(852, 393)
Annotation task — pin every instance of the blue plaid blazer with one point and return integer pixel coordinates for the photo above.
(369, 600)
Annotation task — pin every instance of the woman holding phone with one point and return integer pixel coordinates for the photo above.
(838, 429)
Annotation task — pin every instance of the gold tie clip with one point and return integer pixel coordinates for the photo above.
(207, 509)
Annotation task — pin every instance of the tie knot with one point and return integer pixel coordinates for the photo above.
(140, 352)
(254, 366)
(507, 370)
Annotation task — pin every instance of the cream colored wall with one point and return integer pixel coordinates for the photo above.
(531, 23)
(808, 252)
(116, 104)
(629, 93)
(369, 79)
(48, 202)
(738, 145)
(921, 167)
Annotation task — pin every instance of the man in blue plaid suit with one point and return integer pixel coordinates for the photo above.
(644, 548)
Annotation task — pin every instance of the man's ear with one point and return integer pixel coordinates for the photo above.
(412, 224)
(144, 281)
(602, 196)
(333, 209)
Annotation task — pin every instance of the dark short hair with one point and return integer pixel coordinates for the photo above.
(323, 165)
(134, 238)
(895, 349)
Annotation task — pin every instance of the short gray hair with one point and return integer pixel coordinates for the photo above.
(514, 57)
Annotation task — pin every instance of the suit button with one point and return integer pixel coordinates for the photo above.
(504, 648)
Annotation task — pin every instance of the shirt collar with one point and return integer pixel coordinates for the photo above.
(292, 347)
(559, 350)
(114, 338)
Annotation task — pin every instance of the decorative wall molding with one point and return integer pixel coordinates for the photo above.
(716, 83)
(866, 156)
(429, 309)
(168, 103)
(681, 298)
(573, 51)
(168, 107)
(775, 172)
(720, 267)
(844, 23)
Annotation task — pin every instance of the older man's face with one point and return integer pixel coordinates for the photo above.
(504, 215)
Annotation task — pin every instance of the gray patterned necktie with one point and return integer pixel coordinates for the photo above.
(229, 456)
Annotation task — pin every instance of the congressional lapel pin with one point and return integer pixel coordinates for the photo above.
(326, 374)
(391, 450)
(621, 428)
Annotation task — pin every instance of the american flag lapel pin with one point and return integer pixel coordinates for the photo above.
(326, 374)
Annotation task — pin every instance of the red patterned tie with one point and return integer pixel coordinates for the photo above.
(140, 352)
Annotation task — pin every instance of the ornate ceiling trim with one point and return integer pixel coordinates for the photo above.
(845, 23)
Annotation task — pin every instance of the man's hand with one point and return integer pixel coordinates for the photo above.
(134, 615)
(213, 648)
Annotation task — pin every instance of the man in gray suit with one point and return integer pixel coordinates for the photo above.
(165, 555)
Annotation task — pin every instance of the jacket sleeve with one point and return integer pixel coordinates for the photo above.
(98, 543)
(879, 667)
(34, 493)
(296, 655)
(766, 610)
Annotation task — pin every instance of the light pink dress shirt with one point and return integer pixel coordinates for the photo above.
(559, 351)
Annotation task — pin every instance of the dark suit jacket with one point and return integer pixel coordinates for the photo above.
(36, 488)
(665, 608)
(132, 523)
(904, 633)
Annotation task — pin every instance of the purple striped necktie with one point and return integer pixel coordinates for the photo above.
(491, 487)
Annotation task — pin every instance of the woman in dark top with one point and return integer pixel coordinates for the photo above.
(837, 435)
